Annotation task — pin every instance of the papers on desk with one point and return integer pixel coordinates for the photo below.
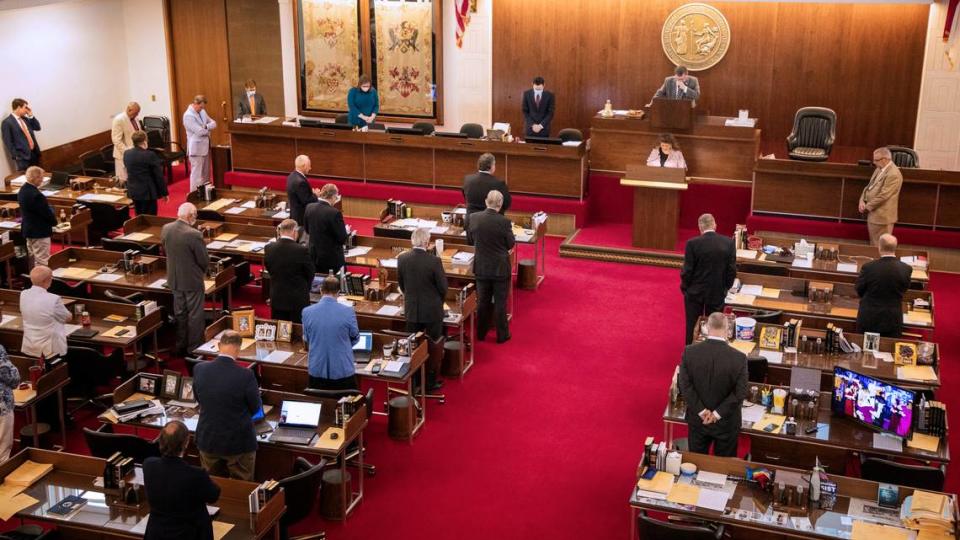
(920, 318)
(19, 181)
(462, 257)
(71, 328)
(158, 284)
(740, 122)
(773, 357)
(524, 236)
(326, 442)
(439, 230)
(99, 197)
(74, 273)
(249, 204)
(747, 254)
(131, 331)
(136, 236)
(767, 419)
(9, 506)
(358, 251)
(388, 263)
(863, 530)
(922, 441)
(218, 204)
(746, 347)
(7, 318)
(49, 192)
(393, 366)
(281, 215)
(28, 473)
(277, 357)
(752, 413)
(414, 223)
(885, 441)
(770, 293)
(22, 396)
(682, 493)
(712, 499)
(216, 244)
(717, 480)
(210, 347)
(847, 267)
(389, 311)
(226, 237)
(235, 210)
(9, 224)
(662, 482)
(752, 290)
(741, 299)
(266, 119)
(913, 373)
(802, 263)
(109, 278)
(220, 529)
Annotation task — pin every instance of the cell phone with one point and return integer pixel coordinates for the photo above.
(770, 427)
(122, 332)
(375, 369)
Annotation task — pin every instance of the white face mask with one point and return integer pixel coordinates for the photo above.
(250, 93)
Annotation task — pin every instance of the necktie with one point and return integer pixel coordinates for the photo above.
(536, 100)
(133, 121)
(253, 105)
(26, 132)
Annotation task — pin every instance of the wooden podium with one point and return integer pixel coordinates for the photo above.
(671, 114)
(656, 204)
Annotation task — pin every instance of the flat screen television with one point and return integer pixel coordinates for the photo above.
(871, 402)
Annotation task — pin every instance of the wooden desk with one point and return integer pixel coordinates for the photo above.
(858, 254)
(714, 152)
(51, 382)
(928, 198)
(100, 518)
(388, 249)
(558, 171)
(656, 204)
(749, 497)
(238, 205)
(8, 251)
(792, 301)
(104, 192)
(248, 243)
(80, 220)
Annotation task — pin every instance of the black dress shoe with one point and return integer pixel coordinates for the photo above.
(504, 340)
(436, 386)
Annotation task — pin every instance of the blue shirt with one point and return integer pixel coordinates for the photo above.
(360, 102)
(330, 330)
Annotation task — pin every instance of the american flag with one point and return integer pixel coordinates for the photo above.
(461, 8)
(950, 31)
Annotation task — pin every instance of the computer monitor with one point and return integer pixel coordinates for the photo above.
(871, 402)
(365, 343)
(59, 179)
(543, 140)
(315, 123)
(405, 131)
(299, 414)
(450, 134)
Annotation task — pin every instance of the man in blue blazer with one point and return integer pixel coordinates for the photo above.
(36, 217)
(229, 396)
(330, 330)
(18, 136)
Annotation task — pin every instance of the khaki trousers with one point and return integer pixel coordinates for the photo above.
(120, 168)
(238, 467)
(877, 230)
(6, 435)
(39, 251)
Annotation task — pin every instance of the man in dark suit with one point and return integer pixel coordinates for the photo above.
(326, 230)
(713, 383)
(291, 273)
(229, 397)
(18, 136)
(36, 217)
(492, 235)
(881, 286)
(538, 108)
(681, 85)
(251, 103)
(709, 268)
(299, 193)
(187, 262)
(424, 286)
(178, 492)
(476, 186)
(145, 181)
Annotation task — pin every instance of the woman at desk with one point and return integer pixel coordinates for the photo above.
(363, 103)
(668, 154)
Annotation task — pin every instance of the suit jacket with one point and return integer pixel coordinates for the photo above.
(18, 147)
(243, 105)
(669, 89)
(43, 315)
(198, 126)
(492, 236)
(36, 215)
(328, 232)
(713, 376)
(674, 159)
(299, 195)
(187, 257)
(330, 330)
(882, 194)
(121, 131)
(229, 396)
(542, 115)
(178, 494)
(291, 274)
(145, 181)
(424, 286)
(881, 286)
(709, 267)
(476, 186)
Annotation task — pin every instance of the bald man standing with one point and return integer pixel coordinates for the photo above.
(299, 193)
(187, 261)
(881, 286)
(43, 315)
(124, 126)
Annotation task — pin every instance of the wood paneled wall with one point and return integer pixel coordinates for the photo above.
(863, 61)
(253, 32)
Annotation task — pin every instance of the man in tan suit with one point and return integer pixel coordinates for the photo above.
(879, 199)
(124, 125)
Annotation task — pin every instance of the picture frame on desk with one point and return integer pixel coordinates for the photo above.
(266, 332)
(147, 384)
(905, 354)
(770, 337)
(186, 390)
(871, 341)
(171, 384)
(243, 322)
(284, 331)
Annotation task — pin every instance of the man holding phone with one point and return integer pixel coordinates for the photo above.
(18, 135)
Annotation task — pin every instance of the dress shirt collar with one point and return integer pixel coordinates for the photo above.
(886, 167)
(537, 94)
(717, 338)
(227, 356)
(282, 237)
(328, 298)
(484, 172)
(709, 231)
(417, 248)
(894, 256)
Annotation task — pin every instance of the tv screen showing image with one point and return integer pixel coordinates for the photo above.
(872, 402)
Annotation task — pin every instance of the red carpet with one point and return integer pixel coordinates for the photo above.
(542, 438)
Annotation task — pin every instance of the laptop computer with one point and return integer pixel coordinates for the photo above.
(59, 179)
(363, 348)
(298, 422)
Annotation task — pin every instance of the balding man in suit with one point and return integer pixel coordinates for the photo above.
(880, 198)
(187, 262)
(492, 236)
(124, 126)
(881, 286)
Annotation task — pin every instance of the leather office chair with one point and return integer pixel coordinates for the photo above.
(30, 532)
(353, 453)
(654, 529)
(377, 126)
(103, 443)
(904, 157)
(300, 492)
(156, 123)
(814, 131)
(342, 118)
(105, 218)
(62, 288)
(193, 361)
(757, 369)
(891, 472)
(473, 131)
(90, 369)
(426, 127)
(210, 215)
(120, 245)
(766, 316)
(570, 134)
(106, 151)
(92, 164)
(169, 151)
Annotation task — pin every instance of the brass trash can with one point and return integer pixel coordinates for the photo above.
(527, 274)
(335, 494)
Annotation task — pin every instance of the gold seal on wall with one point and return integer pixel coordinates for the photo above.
(696, 36)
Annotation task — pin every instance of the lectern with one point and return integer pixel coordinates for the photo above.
(656, 204)
(671, 113)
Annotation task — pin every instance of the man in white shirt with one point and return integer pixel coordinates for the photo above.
(198, 125)
(43, 315)
(124, 126)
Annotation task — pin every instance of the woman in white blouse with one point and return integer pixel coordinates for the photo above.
(668, 154)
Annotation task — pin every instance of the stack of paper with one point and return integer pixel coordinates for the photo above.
(462, 257)
(928, 512)
(662, 482)
(28, 473)
(916, 373)
(775, 420)
(863, 530)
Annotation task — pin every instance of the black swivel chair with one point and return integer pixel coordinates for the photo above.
(121, 245)
(210, 215)
(92, 164)
(903, 157)
(426, 127)
(473, 131)
(300, 492)
(106, 152)
(90, 369)
(62, 288)
(654, 529)
(169, 151)
(354, 451)
(377, 126)
(814, 131)
(570, 134)
(891, 472)
(103, 443)
(194, 361)
(30, 532)
(342, 118)
(757, 369)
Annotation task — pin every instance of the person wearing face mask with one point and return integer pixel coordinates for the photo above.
(667, 154)
(363, 103)
(326, 231)
(251, 103)
(187, 261)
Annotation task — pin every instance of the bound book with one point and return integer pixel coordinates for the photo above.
(68, 505)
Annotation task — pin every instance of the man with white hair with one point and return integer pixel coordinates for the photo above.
(36, 217)
(198, 126)
(492, 235)
(187, 262)
(880, 198)
(299, 193)
(43, 315)
(424, 286)
(291, 273)
(709, 268)
(124, 126)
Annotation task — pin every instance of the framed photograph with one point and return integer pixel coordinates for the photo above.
(871, 341)
(171, 384)
(905, 354)
(770, 337)
(888, 496)
(186, 389)
(266, 332)
(243, 322)
(147, 384)
(284, 331)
